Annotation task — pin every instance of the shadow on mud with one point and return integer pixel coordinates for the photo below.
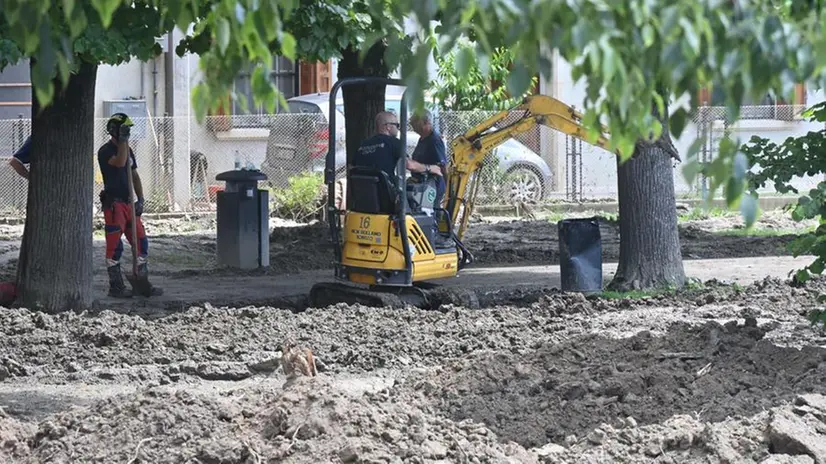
(712, 371)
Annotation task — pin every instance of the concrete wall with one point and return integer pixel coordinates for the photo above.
(124, 82)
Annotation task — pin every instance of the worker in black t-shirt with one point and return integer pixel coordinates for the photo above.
(114, 158)
(382, 150)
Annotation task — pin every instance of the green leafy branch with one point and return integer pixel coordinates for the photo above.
(465, 84)
(779, 164)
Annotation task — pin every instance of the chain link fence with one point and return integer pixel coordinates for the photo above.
(590, 172)
(774, 122)
(178, 158)
(13, 188)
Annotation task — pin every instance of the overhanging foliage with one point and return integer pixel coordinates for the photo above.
(633, 56)
(777, 165)
(464, 84)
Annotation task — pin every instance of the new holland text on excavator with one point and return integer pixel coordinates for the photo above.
(385, 248)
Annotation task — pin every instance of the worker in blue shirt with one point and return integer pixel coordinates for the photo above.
(21, 158)
(429, 154)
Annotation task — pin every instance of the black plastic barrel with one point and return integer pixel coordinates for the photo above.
(580, 255)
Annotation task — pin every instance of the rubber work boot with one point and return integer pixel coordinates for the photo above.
(143, 272)
(117, 288)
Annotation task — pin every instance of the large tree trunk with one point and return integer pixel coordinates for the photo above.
(362, 102)
(55, 266)
(650, 256)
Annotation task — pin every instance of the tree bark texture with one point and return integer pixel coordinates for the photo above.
(55, 265)
(362, 102)
(650, 256)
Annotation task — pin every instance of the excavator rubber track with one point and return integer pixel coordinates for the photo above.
(326, 294)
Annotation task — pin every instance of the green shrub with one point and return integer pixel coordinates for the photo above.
(158, 202)
(301, 201)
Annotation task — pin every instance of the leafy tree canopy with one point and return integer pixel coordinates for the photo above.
(463, 84)
(634, 56)
(59, 36)
(778, 165)
(637, 55)
(313, 31)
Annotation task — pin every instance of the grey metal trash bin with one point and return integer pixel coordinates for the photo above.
(580, 255)
(243, 220)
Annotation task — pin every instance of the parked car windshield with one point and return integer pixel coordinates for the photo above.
(296, 106)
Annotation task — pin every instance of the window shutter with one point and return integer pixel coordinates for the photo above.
(314, 77)
(323, 76)
(306, 78)
(786, 112)
(800, 94)
(704, 96)
(220, 120)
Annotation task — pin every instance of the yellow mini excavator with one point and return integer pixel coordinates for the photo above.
(386, 249)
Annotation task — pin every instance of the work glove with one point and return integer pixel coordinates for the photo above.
(139, 207)
(123, 133)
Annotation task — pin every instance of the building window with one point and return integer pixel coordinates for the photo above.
(284, 74)
(15, 91)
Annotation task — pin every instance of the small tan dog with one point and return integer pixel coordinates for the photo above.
(297, 361)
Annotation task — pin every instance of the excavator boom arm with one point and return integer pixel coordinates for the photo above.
(471, 148)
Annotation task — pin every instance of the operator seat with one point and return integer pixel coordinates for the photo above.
(371, 191)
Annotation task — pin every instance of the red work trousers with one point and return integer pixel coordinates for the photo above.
(117, 222)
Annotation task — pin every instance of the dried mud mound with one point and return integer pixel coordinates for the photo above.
(521, 243)
(295, 249)
(793, 433)
(535, 396)
(562, 379)
(13, 438)
(231, 343)
(325, 420)
(311, 420)
(536, 242)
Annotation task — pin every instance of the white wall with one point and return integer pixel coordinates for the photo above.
(124, 82)
(185, 77)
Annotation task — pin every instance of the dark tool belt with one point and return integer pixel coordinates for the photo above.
(107, 200)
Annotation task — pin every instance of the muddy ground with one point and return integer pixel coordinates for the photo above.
(186, 246)
(715, 374)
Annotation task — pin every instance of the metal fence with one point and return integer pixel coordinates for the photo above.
(178, 158)
(590, 172)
